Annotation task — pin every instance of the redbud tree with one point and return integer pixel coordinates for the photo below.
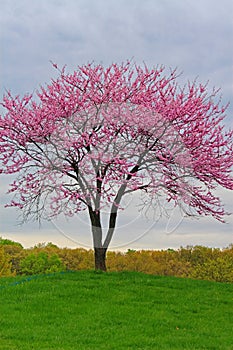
(90, 138)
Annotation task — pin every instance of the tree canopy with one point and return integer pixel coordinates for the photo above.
(93, 136)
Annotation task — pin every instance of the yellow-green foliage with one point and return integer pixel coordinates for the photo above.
(16, 254)
(150, 261)
(5, 265)
(213, 264)
(192, 262)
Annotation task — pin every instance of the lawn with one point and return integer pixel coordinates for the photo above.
(88, 310)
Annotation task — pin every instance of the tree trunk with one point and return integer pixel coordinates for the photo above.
(100, 259)
(100, 252)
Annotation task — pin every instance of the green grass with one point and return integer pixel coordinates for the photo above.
(89, 310)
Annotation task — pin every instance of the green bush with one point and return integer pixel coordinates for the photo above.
(40, 263)
(4, 241)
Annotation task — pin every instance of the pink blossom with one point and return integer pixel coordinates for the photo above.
(100, 133)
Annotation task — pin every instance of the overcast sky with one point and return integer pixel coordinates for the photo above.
(195, 36)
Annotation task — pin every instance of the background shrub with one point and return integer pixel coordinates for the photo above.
(40, 263)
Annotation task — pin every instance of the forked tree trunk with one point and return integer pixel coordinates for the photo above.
(100, 259)
(100, 248)
(99, 251)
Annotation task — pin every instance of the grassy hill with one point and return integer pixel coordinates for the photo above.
(88, 310)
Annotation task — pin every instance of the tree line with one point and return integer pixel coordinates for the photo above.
(197, 262)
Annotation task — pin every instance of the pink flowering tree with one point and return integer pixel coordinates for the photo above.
(90, 138)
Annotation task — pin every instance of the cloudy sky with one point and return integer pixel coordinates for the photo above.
(195, 36)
